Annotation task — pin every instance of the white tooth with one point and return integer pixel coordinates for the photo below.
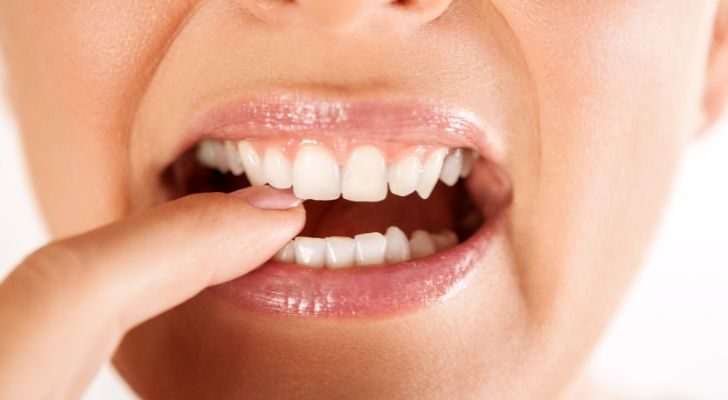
(252, 163)
(370, 248)
(444, 240)
(287, 254)
(404, 176)
(310, 252)
(206, 153)
(398, 248)
(451, 167)
(233, 157)
(339, 252)
(221, 158)
(216, 150)
(469, 157)
(364, 177)
(421, 244)
(431, 173)
(277, 169)
(316, 174)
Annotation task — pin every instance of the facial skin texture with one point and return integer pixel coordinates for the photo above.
(594, 102)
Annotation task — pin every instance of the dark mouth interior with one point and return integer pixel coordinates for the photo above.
(447, 207)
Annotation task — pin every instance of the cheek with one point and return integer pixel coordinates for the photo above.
(76, 71)
(615, 112)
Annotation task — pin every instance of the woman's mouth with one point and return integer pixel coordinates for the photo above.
(401, 200)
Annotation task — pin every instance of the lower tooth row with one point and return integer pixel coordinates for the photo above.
(315, 174)
(365, 249)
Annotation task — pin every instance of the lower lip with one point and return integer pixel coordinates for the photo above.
(286, 289)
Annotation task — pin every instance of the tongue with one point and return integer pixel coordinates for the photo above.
(346, 218)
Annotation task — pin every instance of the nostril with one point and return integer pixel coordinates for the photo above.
(426, 9)
(403, 3)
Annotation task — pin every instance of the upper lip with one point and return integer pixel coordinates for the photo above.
(304, 117)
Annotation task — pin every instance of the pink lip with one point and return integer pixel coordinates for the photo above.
(276, 288)
(306, 118)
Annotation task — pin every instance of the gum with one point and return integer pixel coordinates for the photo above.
(342, 148)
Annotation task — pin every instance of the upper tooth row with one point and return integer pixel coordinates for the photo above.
(315, 174)
(365, 249)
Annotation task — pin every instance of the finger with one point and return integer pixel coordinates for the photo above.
(75, 298)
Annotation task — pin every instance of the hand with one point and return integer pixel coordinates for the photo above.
(64, 310)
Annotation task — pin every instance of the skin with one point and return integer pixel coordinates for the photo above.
(594, 103)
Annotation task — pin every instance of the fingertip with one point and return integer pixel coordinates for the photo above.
(268, 198)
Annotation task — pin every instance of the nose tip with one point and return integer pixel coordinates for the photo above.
(340, 15)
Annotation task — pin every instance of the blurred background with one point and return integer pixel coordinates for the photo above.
(668, 341)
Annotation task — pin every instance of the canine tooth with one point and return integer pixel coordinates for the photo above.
(444, 240)
(206, 153)
(339, 252)
(398, 248)
(277, 169)
(364, 177)
(421, 244)
(233, 157)
(431, 173)
(223, 165)
(404, 176)
(316, 174)
(287, 254)
(252, 163)
(211, 153)
(451, 167)
(310, 252)
(370, 248)
(469, 158)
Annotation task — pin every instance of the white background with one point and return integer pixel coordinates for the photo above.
(667, 342)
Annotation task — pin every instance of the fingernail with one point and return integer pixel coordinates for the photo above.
(268, 198)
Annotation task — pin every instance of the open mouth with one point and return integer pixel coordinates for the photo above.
(400, 200)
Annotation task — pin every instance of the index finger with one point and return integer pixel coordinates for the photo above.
(86, 291)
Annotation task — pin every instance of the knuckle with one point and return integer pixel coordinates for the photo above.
(54, 280)
(52, 265)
